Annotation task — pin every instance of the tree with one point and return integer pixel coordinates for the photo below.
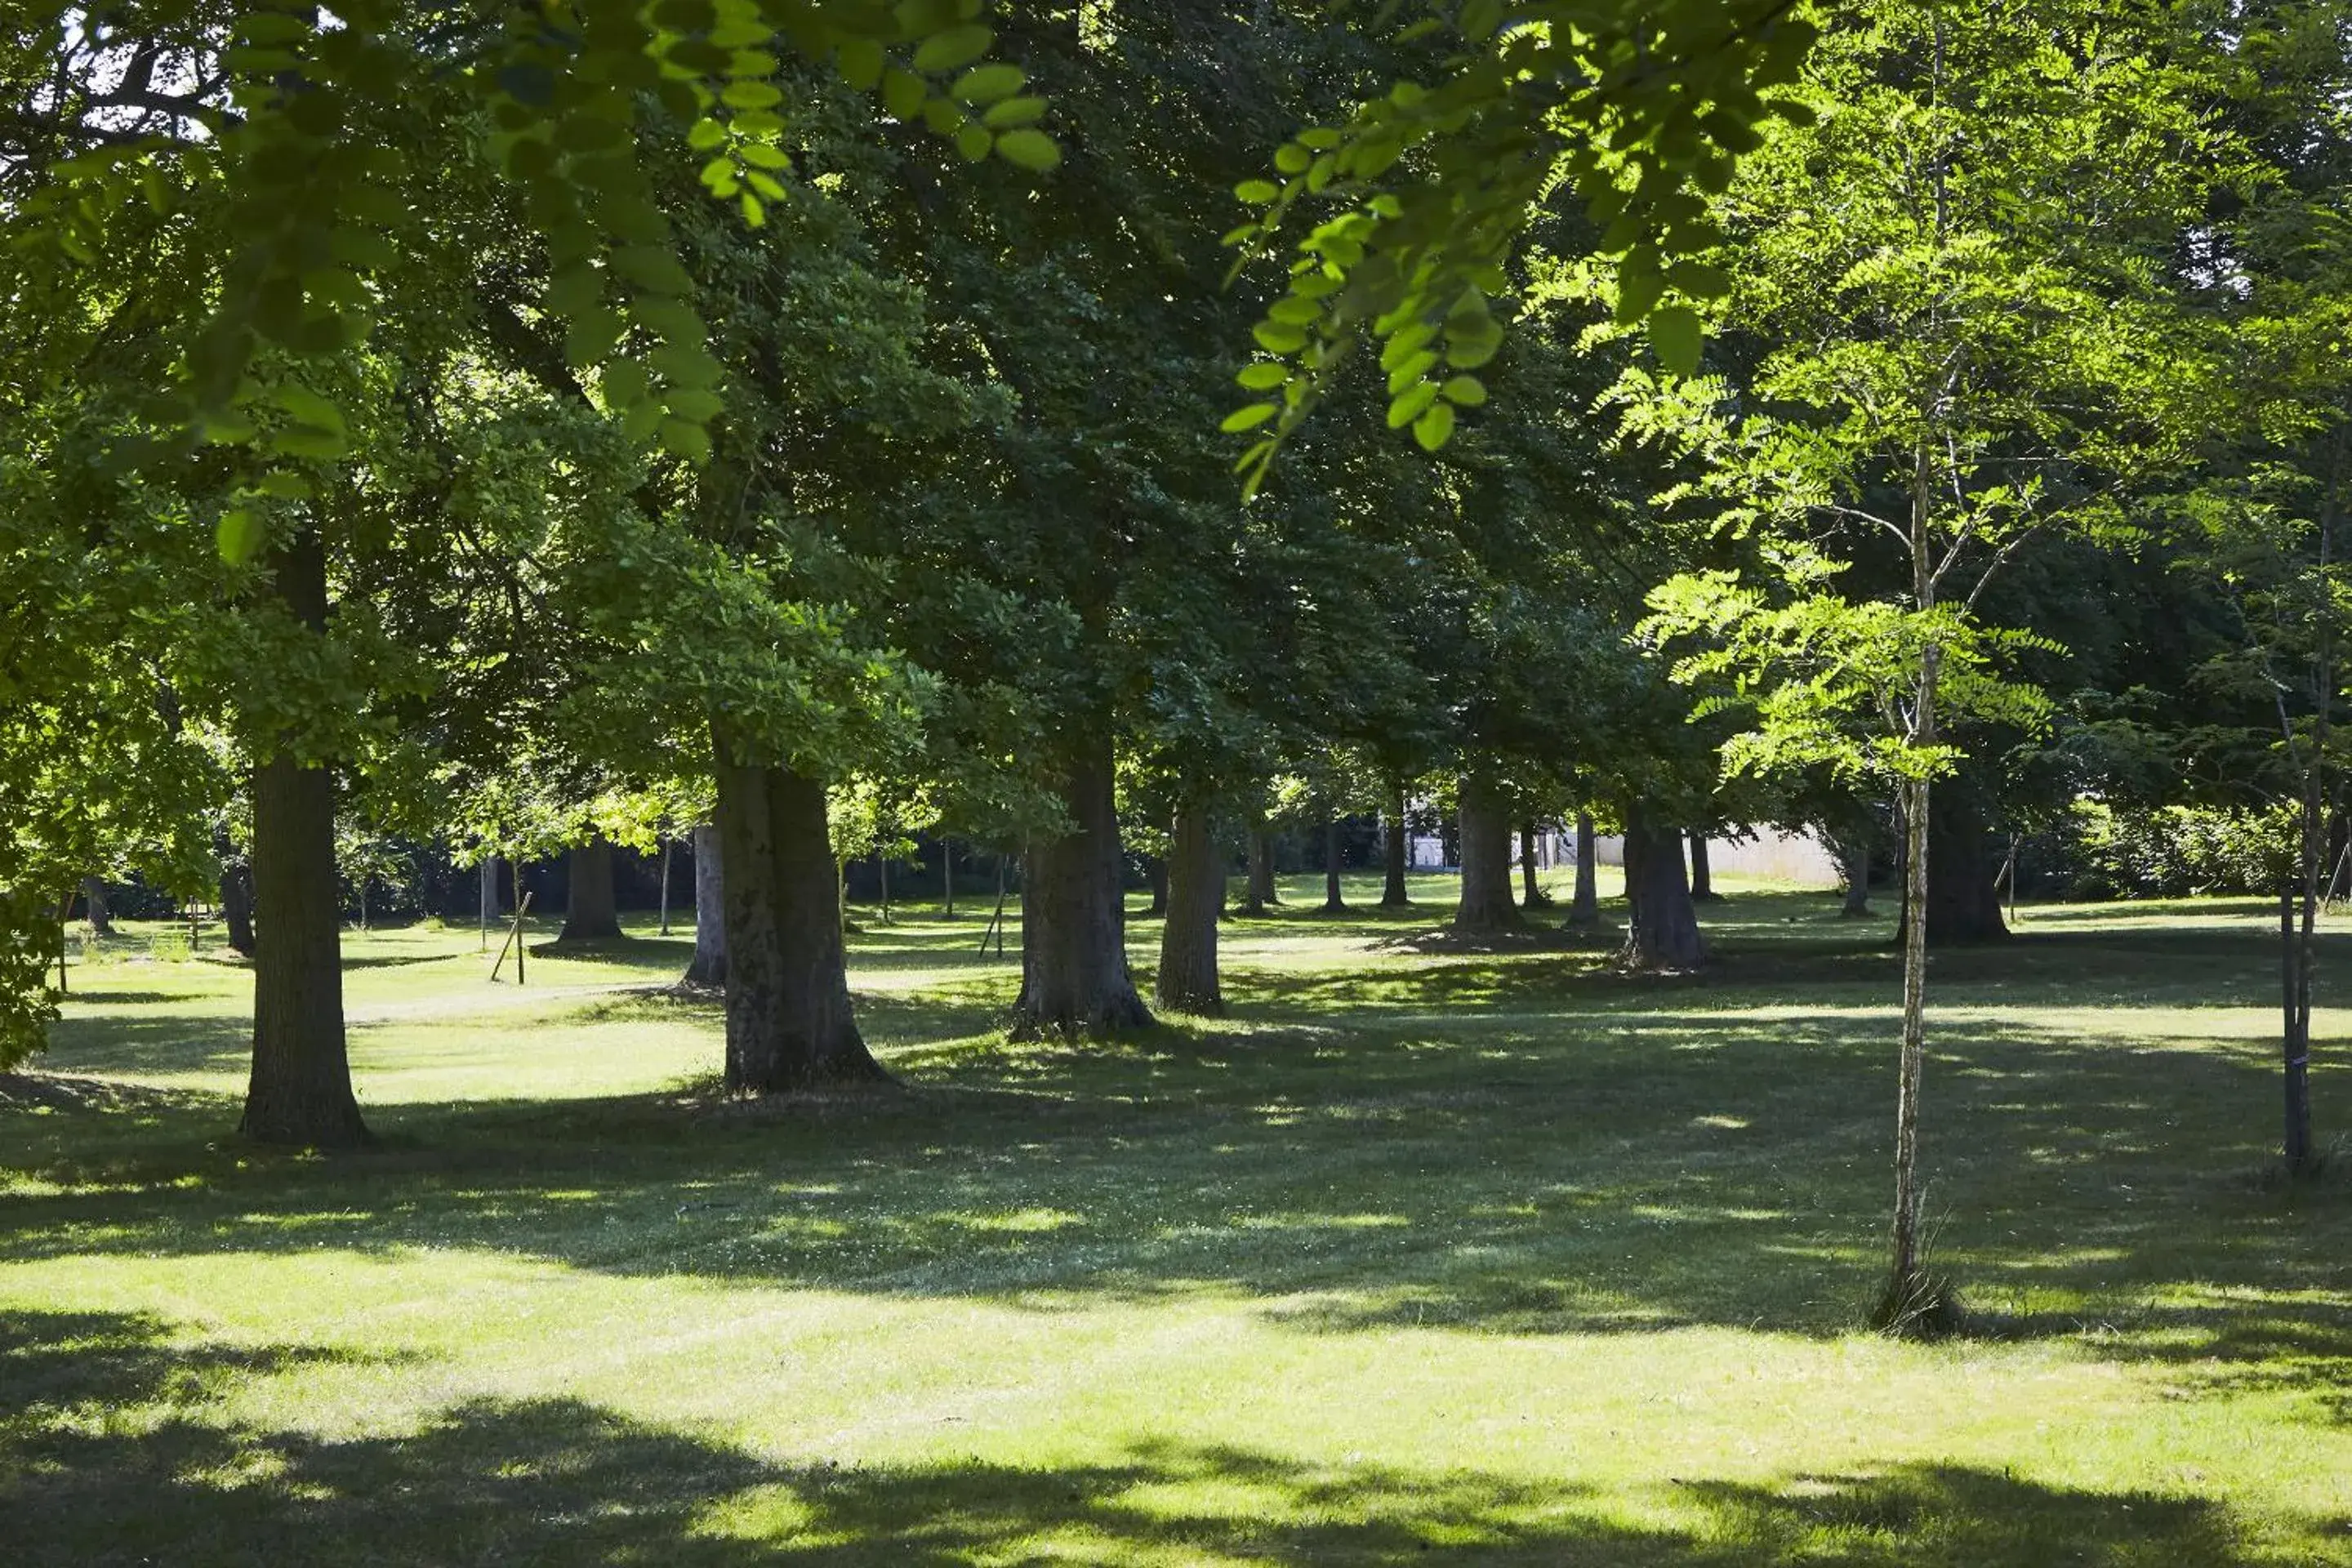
(1945, 360)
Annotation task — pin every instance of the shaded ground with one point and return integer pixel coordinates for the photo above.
(1496, 1257)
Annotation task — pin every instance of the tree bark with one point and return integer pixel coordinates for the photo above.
(237, 906)
(1663, 925)
(1905, 1286)
(1196, 897)
(1262, 895)
(1333, 902)
(789, 1024)
(1963, 896)
(1854, 863)
(1531, 893)
(489, 875)
(1485, 907)
(710, 964)
(1073, 973)
(300, 1089)
(1584, 908)
(93, 897)
(588, 912)
(665, 887)
(1394, 895)
(1702, 874)
(1155, 875)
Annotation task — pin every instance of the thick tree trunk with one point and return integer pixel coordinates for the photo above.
(1333, 902)
(588, 912)
(1196, 897)
(1485, 907)
(1262, 895)
(1854, 865)
(300, 1089)
(1074, 975)
(1702, 874)
(1584, 908)
(93, 897)
(1155, 876)
(1531, 893)
(1394, 895)
(1963, 899)
(237, 906)
(709, 964)
(789, 1021)
(1662, 925)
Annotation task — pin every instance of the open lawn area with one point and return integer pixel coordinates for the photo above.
(1421, 1256)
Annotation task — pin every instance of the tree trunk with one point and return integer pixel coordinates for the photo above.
(665, 887)
(1074, 975)
(789, 1022)
(1908, 1293)
(93, 897)
(947, 876)
(1196, 897)
(1333, 902)
(1155, 876)
(1531, 893)
(237, 906)
(1963, 896)
(489, 874)
(709, 964)
(588, 912)
(1393, 892)
(1262, 895)
(1702, 874)
(1661, 924)
(1485, 905)
(1854, 862)
(300, 1089)
(1584, 908)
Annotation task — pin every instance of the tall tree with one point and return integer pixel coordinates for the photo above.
(1947, 364)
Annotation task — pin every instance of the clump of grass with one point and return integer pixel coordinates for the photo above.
(1919, 1303)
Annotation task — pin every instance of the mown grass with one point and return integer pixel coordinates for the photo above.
(1420, 1255)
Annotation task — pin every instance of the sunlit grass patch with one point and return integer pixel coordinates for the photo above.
(1420, 1257)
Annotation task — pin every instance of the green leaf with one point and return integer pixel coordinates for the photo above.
(1276, 338)
(957, 47)
(973, 141)
(1029, 149)
(903, 93)
(1015, 112)
(1248, 418)
(750, 94)
(1435, 427)
(1264, 376)
(684, 439)
(310, 441)
(988, 83)
(1674, 338)
(1466, 390)
(1415, 402)
(1258, 193)
(859, 61)
(239, 534)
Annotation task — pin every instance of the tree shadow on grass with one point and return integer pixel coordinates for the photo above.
(1652, 1171)
(166, 1477)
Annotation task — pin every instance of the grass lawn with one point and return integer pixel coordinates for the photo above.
(1420, 1257)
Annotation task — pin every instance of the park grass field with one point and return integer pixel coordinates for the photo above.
(1421, 1256)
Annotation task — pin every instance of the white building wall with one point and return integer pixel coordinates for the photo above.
(1797, 857)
